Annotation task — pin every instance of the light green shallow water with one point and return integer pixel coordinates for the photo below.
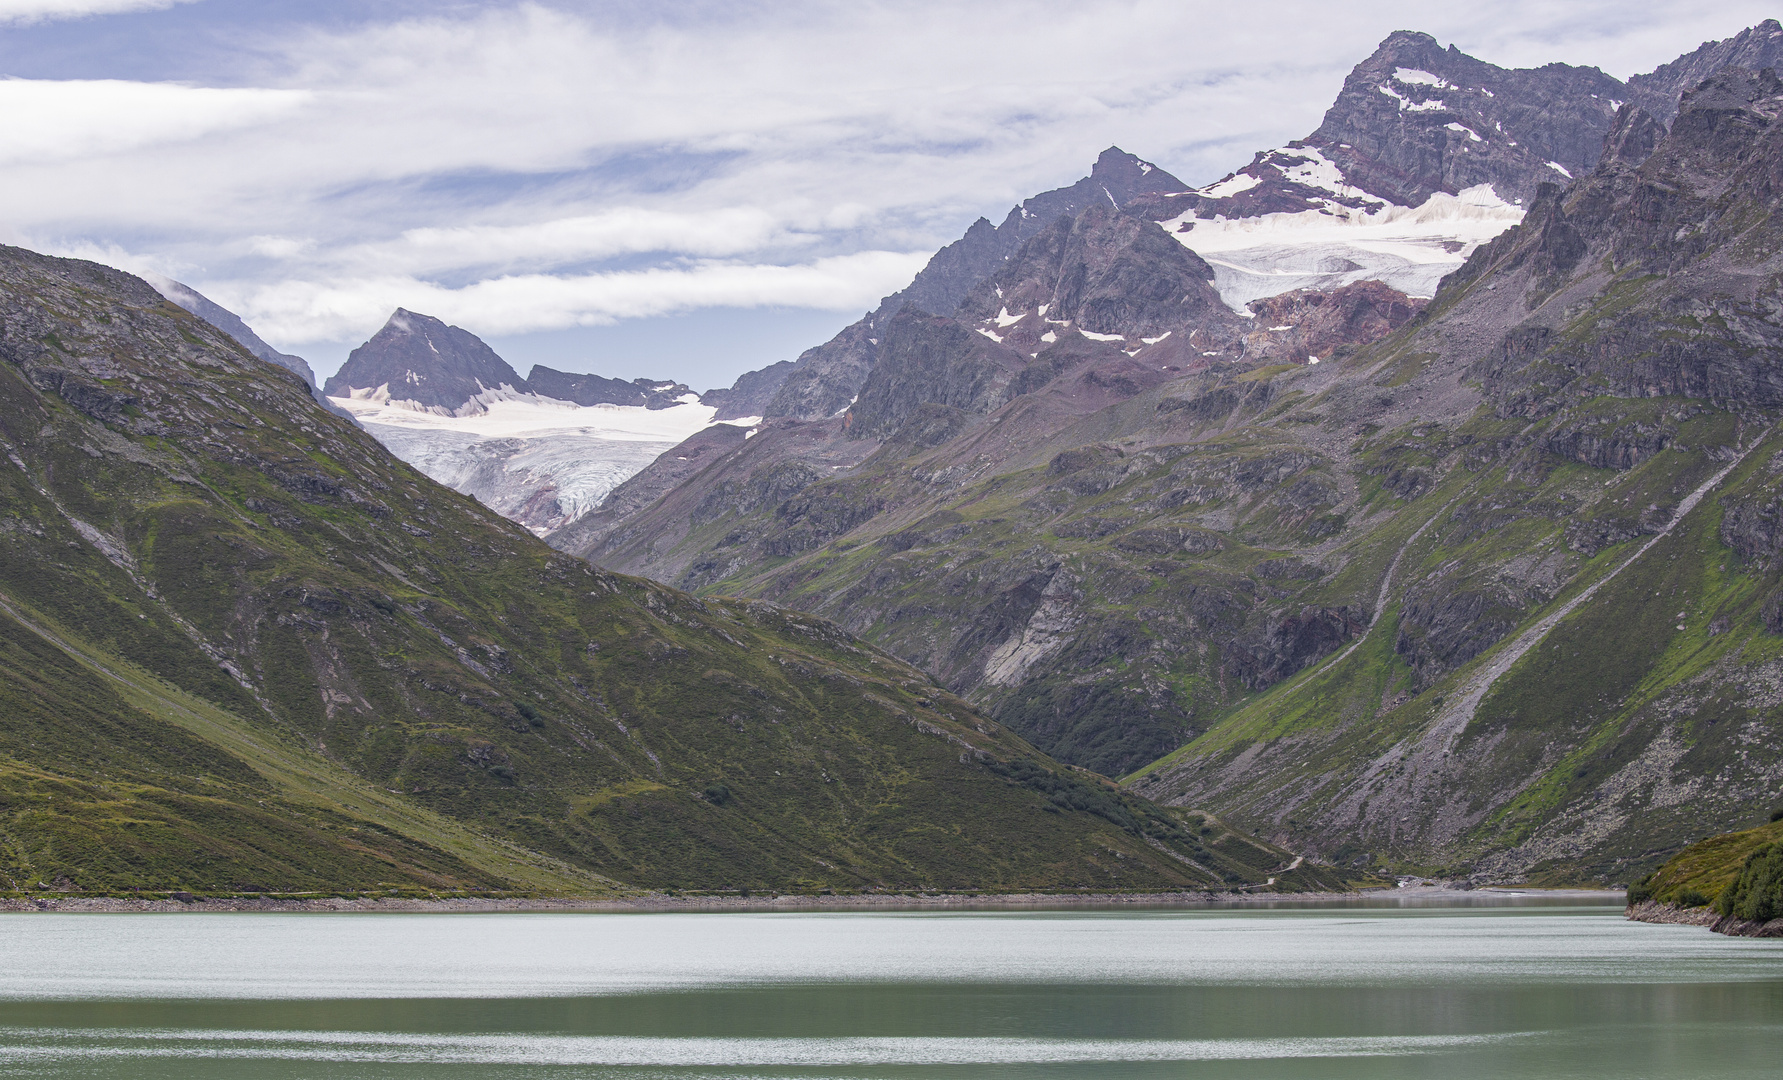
(1327, 993)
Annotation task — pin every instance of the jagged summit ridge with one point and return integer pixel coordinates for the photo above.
(1658, 91)
(826, 379)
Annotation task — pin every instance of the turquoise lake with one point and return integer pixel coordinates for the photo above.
(1496, 991)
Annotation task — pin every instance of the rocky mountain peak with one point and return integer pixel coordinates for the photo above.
(825, 379)
(417, 358)
(1658, 91)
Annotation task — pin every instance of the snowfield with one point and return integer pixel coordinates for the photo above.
(1408, 248)
(539, 461)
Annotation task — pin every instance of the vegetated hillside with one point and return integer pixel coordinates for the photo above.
(1733, 883)
(1124, 544)
(246, 649)
(1568, 521)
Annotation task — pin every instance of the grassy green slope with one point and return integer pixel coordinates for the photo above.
(1718, 871)
(252, 649)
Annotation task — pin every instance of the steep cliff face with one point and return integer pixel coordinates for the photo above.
(931, 361)
(247, 649)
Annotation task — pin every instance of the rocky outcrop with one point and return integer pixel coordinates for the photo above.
(1104, 272)
(1652, 911)
(1311, 324)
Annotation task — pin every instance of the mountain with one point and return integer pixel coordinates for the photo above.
(420, 361)
(1564, 560)
(750, 394)
(825, 379)
(1125, 519)
(543, 451)
(247, 650)
(954, 513)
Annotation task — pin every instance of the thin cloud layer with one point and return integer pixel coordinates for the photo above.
(31, 11)
(532, 167)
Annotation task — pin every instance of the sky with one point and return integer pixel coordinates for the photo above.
(683, 190)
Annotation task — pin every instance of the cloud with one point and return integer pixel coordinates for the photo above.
(333, 310)
(622, 231)
(45, 121)
(32, 11)
(529, 167)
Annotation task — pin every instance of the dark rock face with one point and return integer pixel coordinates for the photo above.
(750, 394)
(930, 360)
(1658, 91)
(1390, 132)
(1415, 119)
(826, 378)
(595, 390)
(1106, 272)
(423, 360)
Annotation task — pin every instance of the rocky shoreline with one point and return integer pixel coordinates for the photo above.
(1655, 912)
(790, 902)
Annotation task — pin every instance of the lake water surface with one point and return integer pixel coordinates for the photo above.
(1532, 991)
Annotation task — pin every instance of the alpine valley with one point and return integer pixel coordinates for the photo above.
(1404, 496)
(1407, 501)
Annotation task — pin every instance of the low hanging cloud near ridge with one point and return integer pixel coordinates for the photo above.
(531, 167)
(527, 302)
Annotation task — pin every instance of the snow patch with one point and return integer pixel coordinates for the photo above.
(1559, 168)
(1230, 186)
(1425, 106)
(1414, 77)
(1093, 336)
(1155, 340)
(1464, 129)
(998, 338)
(1006, 319)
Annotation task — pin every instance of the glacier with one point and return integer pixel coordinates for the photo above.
(1407, 248)
(536, 460)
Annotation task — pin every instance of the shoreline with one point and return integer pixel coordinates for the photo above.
(662, 902)
(1652, 911)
